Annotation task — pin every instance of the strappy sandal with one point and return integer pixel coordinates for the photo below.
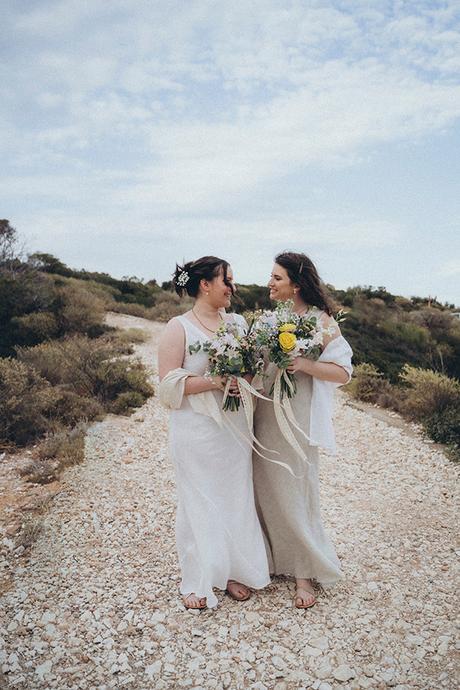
(297, 597)
(199, 608)
(233, 596)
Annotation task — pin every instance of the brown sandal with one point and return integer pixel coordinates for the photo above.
(199, 608)
(233, 596)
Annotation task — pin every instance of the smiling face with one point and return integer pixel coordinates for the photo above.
(281, 286)
(219, 293)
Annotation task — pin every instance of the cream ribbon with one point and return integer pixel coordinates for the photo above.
(285, 415)
(246, 392)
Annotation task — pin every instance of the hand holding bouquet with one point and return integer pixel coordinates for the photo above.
(284, 335)
(231, 355)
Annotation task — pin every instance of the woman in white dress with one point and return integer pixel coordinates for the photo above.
(219, 539)
(289, 507)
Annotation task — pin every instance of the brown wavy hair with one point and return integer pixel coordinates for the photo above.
(204, 268)
(302, 272)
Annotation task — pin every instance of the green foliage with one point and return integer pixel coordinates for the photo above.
(167, 305)
(428, 392)
(428, 397)
(444, 427)
(368, 384)
(26, 400)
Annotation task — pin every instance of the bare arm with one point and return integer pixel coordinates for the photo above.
(325, 371)
(171, 356)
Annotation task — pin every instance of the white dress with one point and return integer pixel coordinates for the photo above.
(218, 534)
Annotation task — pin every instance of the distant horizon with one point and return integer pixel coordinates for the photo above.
(159, 281)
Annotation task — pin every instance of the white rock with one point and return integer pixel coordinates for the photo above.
(44, 669)
(319, 642)
(278, 663)
(343, 673)
(153, 669)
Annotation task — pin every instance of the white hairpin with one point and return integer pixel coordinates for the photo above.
(183, 278)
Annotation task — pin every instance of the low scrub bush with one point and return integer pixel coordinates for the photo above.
(67, 446)
(368, 384)
(26, 400)
(121, 377)
(132, 309)
(167, 305)
(33, 328)
(429, 392)
(132, 335)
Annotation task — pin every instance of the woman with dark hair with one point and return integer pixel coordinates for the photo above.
(219, 538)
(288, 506)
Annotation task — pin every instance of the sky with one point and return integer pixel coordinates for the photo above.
(134, 134)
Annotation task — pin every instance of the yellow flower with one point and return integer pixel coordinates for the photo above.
(290, 327)
(287, 341)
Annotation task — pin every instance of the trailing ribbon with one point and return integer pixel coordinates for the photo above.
(246, 391)
(285, 415)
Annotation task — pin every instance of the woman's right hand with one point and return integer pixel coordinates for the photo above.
(218, 382)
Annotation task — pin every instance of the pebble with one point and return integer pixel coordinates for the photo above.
(96, 604)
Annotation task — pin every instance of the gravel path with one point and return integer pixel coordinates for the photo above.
(97, 606)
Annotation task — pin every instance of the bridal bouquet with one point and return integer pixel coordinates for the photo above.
(283, 335)
(231, 354)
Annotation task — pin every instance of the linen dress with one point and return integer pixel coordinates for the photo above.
(218, 534)
(289, 508)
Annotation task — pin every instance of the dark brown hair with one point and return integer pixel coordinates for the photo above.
(205, 268)
(302, 272)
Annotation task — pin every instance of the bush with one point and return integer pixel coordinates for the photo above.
(131, 309)
(126, 402)
(429, 392)
(66, 446)
(115, 378)
(89, 369)
(79, 310)
(33, 328)
(69, 408)
(26, 399)
(132, 335)
(368, 384)
(444, 426)
(167, 305)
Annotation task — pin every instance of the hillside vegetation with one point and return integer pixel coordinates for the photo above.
(406, 351)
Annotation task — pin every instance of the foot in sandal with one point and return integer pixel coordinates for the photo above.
(191, 601)
(238, 591)
(305, 595)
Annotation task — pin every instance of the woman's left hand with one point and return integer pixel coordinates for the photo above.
(234, 390)
(297, 364)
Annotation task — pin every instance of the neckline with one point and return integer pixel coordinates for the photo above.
(200, 330)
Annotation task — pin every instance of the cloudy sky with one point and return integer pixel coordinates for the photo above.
(135, 133)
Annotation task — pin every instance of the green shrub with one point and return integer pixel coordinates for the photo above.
(429, 392)
(167, 305)
(115, 378)
(79, 310)
(69, 408)
(443, 426)
(126, 402)
(132, 335)
(33, 328)
(368, 384)
(66, 446)
(132, 309)
(26, 399)
(72, 362)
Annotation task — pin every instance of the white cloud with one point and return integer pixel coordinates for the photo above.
(450, 268)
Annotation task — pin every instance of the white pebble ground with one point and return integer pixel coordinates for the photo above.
(96, 605)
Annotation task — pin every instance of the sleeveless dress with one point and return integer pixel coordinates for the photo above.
(289, 508)
(218, 534)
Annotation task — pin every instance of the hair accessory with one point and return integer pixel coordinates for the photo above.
(301, 268)
(183, 278)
